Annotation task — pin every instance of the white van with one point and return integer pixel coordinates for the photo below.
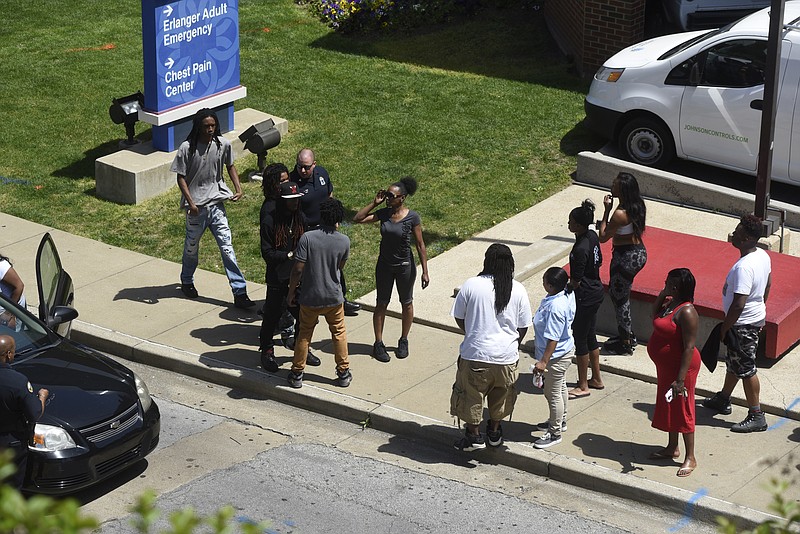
(699, 14)
(698, 95)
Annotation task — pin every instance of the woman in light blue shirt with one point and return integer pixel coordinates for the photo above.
(552, 325)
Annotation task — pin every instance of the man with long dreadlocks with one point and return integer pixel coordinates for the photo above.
(280, 231)
(493, 311)
(198, 164)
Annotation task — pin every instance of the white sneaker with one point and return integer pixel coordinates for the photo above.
(548, 440)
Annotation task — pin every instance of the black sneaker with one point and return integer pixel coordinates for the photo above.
(379, 352)
(312, 360)
(288, 342)
(616, 339)
(295, 379)
(402, 348)
(470, 442)
(243, 301)
(545, 425)
(189, 291)
(351, 308)
(619, 347)
(548, 440)
(268, 360)
(344, 378)
(754, 422)
(719, 402)
(494, 439)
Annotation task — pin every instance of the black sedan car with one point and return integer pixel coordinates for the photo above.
(99, 418)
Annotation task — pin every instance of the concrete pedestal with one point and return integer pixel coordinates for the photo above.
(137, 173)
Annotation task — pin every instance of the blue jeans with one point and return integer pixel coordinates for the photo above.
(214, 218)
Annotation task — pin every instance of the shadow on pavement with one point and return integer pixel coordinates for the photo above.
(624, 452)
(110, 484)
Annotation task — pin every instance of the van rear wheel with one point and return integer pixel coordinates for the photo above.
(647, 142)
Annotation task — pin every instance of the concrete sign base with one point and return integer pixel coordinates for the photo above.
(137, 173)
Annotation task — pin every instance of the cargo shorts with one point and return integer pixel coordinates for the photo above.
(476, 381)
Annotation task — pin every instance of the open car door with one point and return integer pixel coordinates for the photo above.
(56, 293)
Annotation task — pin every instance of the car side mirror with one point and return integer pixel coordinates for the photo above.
(694, 75)
(61, 315)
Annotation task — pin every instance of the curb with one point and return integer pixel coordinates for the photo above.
(391, 420)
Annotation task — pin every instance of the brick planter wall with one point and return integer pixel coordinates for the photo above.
(591, 31)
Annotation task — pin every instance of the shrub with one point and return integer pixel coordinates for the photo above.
(358, 16)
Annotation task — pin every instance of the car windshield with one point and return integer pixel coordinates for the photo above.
(694, 40)
(28, 332)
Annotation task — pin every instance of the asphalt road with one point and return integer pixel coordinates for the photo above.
(302, 472)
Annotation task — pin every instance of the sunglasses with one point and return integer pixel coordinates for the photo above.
(389, 195)
(305, 167)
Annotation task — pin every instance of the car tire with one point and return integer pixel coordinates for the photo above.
(647, 142)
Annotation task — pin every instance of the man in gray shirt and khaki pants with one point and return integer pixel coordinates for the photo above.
(319, 258)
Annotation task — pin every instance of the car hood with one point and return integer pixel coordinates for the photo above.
(85, 386)
(646, 52)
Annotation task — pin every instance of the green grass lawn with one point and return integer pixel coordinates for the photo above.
(483, 112)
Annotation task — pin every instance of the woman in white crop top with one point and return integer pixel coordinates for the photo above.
(624, 226)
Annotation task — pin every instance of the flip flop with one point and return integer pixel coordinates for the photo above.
(573, 396)
(596, 387)
(685, 471)
(660, 455)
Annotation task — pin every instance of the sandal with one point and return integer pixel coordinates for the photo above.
(578, 395)
(661, 455)
(685, 471)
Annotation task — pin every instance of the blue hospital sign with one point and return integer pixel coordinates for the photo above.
(191, 51)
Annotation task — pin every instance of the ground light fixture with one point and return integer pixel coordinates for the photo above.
(125, 110)
(258, 139)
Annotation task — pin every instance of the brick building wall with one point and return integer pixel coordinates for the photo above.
(591, 31)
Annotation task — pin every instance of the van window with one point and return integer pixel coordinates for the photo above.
(680, 74)
(738, 63)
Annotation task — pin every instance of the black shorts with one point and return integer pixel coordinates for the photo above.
(387, 275)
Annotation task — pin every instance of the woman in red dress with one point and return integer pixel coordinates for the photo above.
(672, 349)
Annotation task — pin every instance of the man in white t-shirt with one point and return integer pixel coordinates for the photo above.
(744, 299)
(493, 311)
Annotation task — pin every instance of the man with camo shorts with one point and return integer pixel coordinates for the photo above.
(744, 298)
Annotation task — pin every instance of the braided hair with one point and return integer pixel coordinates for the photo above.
(197, 128)
(288, 226)
(499, 264)
(271, 180)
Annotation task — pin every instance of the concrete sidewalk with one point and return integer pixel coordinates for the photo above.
(131, 306)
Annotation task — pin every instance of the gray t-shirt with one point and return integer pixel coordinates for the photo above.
(396, 237)
(202, 169)
(322, 250)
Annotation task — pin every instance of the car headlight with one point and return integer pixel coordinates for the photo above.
(48, 438)
(142, 392)
(605, 74)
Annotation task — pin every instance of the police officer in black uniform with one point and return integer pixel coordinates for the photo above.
(19, 408)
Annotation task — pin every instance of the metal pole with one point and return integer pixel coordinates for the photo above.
(764, 168)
